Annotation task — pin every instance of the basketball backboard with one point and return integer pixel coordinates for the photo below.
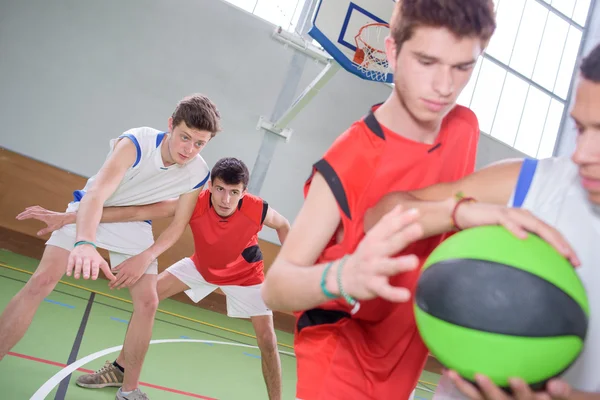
(353, 33)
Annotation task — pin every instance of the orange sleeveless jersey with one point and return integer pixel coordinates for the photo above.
(376, 353)
(226, 250)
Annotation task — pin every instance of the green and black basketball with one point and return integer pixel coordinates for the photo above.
(488, 302)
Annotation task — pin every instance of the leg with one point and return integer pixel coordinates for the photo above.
(109, 375)
(271, 363)
(19, 312)
(168, 285)
(139, 333)
(247, 302)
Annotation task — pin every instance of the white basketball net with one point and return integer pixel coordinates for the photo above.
(370, 56)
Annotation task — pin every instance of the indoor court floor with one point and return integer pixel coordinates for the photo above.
(195, 353)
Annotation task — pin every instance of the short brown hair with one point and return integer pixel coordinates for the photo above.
(198, 112)
(461, 17)
(231, 171)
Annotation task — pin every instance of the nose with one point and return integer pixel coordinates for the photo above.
(443, 81)
(188, 148)
(588, 149)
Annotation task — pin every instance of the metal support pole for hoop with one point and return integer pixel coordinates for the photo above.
(287, 107)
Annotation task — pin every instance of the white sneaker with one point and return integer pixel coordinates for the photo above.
(137, 394)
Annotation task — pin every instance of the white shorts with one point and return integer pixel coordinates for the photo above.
(65, 239)
(242, 301)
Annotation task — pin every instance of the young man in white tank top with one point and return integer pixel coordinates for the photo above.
(556, 198)
(143, 166)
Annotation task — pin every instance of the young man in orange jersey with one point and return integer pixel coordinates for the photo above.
(417, 137)
(225, 224)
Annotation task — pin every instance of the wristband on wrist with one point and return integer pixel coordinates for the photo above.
(460, 197)
(79, 243)
(326, 292)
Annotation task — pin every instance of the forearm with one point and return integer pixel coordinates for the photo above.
(436, 216)
(166, 239)
(88, 218)
(163, 209)
(290, 287)
(282, 233)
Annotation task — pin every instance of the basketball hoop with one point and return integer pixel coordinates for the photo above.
(370, 56)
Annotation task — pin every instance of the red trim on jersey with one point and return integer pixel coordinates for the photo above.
(226, 250)
(377, 352)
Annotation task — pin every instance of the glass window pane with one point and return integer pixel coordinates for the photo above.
(507, 20)
(296, 16)
(277, 12)
(487, 94)
(532, 121)
(529, 38)
(551, 49)
(551, 129)
(581, 11)
(467, 94)
(567, 65)
(247, 5)
(564, 6)
(512, 102)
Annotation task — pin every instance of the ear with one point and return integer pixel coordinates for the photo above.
(244, 193)
(170, 124)
(209, 185)
(390, 52)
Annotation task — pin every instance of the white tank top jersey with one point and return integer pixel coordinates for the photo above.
(147, 181)
(552, 191)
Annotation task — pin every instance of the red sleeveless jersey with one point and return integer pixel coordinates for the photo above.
(226, 250)
(376, 353)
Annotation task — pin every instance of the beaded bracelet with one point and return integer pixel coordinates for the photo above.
(349, 299)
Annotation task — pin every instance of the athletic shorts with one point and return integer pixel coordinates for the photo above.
(122, 240)
(242, 301)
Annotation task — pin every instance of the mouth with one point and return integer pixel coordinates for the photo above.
(435, 106)
(183, 157)
(590, 184)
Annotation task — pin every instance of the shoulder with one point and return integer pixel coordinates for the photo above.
(254, 207)
(202, 204)
(198, 170)
(463, 115)
(542, 180)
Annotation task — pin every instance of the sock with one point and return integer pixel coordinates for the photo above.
(116, 364)
(125, 393)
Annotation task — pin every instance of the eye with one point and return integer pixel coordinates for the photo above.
(464, 68)
(423, 61)
(184, 138)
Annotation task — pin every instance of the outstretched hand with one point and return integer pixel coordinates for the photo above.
(517, 220)
(367, 272)
(53, 220)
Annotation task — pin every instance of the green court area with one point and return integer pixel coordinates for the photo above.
(195, 353)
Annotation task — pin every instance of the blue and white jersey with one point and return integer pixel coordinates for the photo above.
(551, 189)
(149, 180)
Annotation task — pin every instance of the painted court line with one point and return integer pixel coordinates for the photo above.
(54, 381)
(119, 320)
(89, 371)
(158, 310)
(58, 303)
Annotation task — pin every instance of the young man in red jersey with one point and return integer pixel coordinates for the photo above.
(417, 137)
(225, 224)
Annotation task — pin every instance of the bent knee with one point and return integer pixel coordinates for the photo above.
(41, 284)
(147, 304)
(267, 342)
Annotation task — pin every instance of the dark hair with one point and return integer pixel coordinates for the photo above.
(198, 112)
(231, 171)
(590, 65)
(461, 17)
